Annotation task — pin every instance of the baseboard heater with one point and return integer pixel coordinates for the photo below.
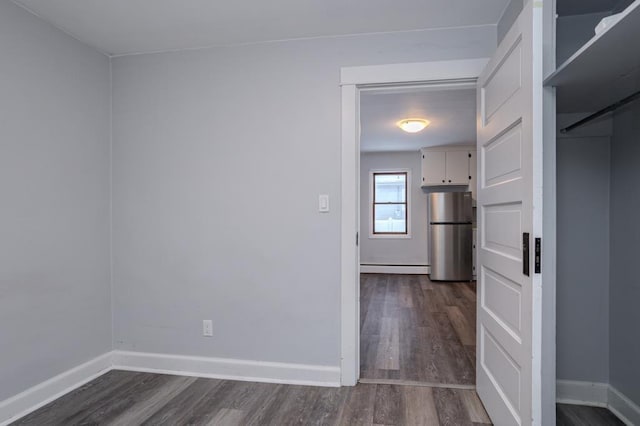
(377, 268)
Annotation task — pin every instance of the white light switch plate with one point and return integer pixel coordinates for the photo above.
(323, 203)
(207, 328)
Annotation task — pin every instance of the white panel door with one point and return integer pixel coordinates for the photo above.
(510, 204)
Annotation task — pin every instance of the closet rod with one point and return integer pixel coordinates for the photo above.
(602, 112)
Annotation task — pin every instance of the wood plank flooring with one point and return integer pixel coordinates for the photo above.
(416, 330)
(129, 398)
(578, 415)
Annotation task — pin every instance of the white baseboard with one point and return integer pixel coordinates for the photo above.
(229, 369)
(369, 268)
(598, 395)
(623, 407)
(31, 399)
(582, 393)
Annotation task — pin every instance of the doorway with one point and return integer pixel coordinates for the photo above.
(415, 330)
(513, 337)
(353, 81)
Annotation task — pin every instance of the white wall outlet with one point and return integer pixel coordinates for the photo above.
(207, 328)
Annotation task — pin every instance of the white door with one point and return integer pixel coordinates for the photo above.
(509, 208)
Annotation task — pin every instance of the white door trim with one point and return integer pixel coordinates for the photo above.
(412, 72)
(352, 79)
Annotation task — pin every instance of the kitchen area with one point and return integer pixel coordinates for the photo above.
(441, 192)
(439, 158)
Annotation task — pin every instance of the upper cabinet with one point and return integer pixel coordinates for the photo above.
(434, 170)
(457, 172)
(447, 165)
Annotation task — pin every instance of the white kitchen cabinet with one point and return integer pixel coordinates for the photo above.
(446, 166)
(457, 167)
(433, 168)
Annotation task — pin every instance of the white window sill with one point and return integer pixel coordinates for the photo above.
(390, 236)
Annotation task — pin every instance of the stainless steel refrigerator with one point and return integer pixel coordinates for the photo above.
(451, 236)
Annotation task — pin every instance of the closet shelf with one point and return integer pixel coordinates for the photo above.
(604, 70)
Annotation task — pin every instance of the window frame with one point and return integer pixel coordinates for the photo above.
(372, 203)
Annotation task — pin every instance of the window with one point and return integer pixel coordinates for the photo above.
(389, 203)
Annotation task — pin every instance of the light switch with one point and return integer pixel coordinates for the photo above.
(323, 203)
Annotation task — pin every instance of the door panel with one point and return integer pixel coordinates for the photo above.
(503, 370)
(502, 229)
(509, 105)
(502, 299)
(504, 82)
(502, 157)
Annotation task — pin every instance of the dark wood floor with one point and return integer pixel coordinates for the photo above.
(578, 415)
(127, 398)
(416, 330)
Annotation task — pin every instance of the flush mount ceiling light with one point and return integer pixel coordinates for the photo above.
(413, 125)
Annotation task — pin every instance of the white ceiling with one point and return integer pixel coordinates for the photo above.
(135, 26)
(452, 113)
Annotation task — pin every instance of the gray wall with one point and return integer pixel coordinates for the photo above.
(625, 240)
(598, 235)
(509, 16)
(266, 269)
(572, 32)
(582, 284)
(54, 212)
(411, 251)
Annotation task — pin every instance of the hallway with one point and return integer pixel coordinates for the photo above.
(416, 330)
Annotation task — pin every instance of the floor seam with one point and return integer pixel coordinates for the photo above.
(416, 383)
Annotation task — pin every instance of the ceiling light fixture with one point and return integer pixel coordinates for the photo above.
(413, 125)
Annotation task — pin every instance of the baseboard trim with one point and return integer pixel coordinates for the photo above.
(31, 399)
(228, 369)
(582, 393)
(623, 407)
(598, 395)
(43, 393)
(394, 269)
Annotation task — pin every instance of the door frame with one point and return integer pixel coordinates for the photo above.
(352, 81)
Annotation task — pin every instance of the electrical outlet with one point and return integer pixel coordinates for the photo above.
(207, 328)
